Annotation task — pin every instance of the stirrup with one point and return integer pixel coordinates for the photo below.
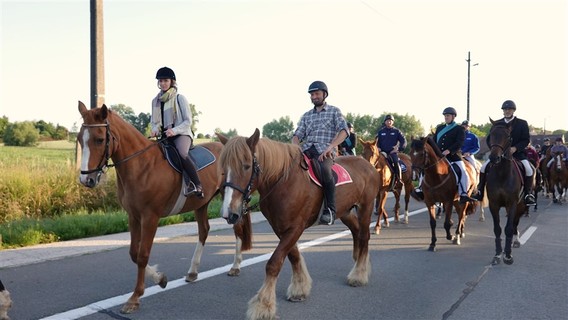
(327, 217)
(190, 189)
(530, 200)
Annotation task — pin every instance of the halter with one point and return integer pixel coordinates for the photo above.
(103, 164)
(247, 191)
(428, 166)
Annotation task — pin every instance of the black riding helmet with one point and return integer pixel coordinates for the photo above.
(509, 104)
(450, 110)
(388, 117)
(165, 73)
(318, 85)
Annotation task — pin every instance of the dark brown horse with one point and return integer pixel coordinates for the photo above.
(148, 189)
(504, 189)
(378, 160)
(291, 202)
(439, 184)
(5, 302)
(558, 177)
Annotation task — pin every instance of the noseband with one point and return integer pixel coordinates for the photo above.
(103, 164)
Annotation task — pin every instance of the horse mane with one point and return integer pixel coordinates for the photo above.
(430, 141)
(274, 157)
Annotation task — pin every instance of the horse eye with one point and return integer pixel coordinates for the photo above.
(99, 140)
(247, 166)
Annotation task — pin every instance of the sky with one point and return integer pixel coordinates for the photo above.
(245, 63)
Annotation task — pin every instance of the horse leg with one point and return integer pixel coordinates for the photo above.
(497, 231)
(5, 302)
(301, 284)
(396, 209)
(432, 212)
(146, 237)
(512, 212)
(203, 231)
(263, 304)
(407, 191)
(361, 271)
(448, 221)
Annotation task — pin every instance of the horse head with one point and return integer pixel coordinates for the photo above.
(499, 141)
(370, 152)
(95, 139)
(418, 154)
(239, 167)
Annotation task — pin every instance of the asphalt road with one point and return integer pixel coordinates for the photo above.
(407, 281)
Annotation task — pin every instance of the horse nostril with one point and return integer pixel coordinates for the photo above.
(233, 218)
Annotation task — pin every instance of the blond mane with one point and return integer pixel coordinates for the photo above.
(274, 158)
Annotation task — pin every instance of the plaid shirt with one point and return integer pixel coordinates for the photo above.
(319, 128)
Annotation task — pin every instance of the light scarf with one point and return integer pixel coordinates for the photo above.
(168, 98)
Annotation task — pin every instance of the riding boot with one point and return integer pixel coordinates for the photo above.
(194, 185)
(529, 197)
(480, 187)
(328, 184)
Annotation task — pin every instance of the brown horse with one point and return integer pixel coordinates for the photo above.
(148, 189)
(439, 184)
(558, 177)
(5, 302)
(291, 202)
(504, 185)
(378, 160)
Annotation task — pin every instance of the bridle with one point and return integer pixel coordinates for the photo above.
(427, 165)
(246, 192)
(103, 165)
(503, 148)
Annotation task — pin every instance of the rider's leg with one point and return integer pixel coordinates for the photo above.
(395, 166)
(328, 184)
(183, 143)
(529, 182)
(481, 184)
(463, 183)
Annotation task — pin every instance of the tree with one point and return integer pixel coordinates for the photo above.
(3, 125)
(124, 112)
(45, 129)
(279, 130)
(142, 123)
(23, 134)
(229, 134)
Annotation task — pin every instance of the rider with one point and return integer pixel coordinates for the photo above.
(171, 118)
(320, 131)
(544, 148)
(391, 141)
(520, 138)
(449, 138)
(558, 147)
(470, 145)
(532, 155)
(347, 147)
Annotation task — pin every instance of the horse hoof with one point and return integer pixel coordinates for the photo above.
(163, 281)
(457, 242)
(496, 261)
(190, 277)
(516, 244)
(377, 230)
(129, 308)
(386, 225)
(234, 272)
(508, 260)
(297, 299)
(432, 249)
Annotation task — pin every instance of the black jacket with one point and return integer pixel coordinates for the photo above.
(451, 140)
(520, 137)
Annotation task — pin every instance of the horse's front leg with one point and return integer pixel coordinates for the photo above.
(263, 304)
(432, 212)
(407, 192)
(509, 232)
(396, 208)
(146, 236)
(497, 231)
(301, 284)
(203, 231)
(448, 220)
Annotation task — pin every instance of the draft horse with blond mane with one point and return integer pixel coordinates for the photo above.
(504, 185)
(378, 160)
(149, 188)
(439, 185)
(291, 202)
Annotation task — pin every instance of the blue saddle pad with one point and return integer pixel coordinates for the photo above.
(201, 156)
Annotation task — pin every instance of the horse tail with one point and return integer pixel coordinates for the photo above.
(245, 232)
(471, 208)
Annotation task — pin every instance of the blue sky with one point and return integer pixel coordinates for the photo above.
(246, 63)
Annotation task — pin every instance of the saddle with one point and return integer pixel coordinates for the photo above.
(340, 174)
(400, 163)
(201, 156)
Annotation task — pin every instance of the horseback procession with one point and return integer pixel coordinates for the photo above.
(315, 179)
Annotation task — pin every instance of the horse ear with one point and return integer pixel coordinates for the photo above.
(222, 138)
(492, 121)
(361, 140)
(104, 111)
(82, 108)
(253, 140)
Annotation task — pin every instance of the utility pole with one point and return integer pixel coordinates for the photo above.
(97, 55)
(468, 67)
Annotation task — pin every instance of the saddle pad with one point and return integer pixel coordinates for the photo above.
(201, 156)
(341, 175)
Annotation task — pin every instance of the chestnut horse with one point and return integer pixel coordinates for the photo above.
(148, 189)
(504, 185)
(558, 177)
(378, 160)
(439, 184)
(291, 202)
(5, 302)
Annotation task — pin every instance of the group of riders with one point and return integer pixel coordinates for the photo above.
(323, 131)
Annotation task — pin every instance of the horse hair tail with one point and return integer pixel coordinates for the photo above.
(246, 236)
